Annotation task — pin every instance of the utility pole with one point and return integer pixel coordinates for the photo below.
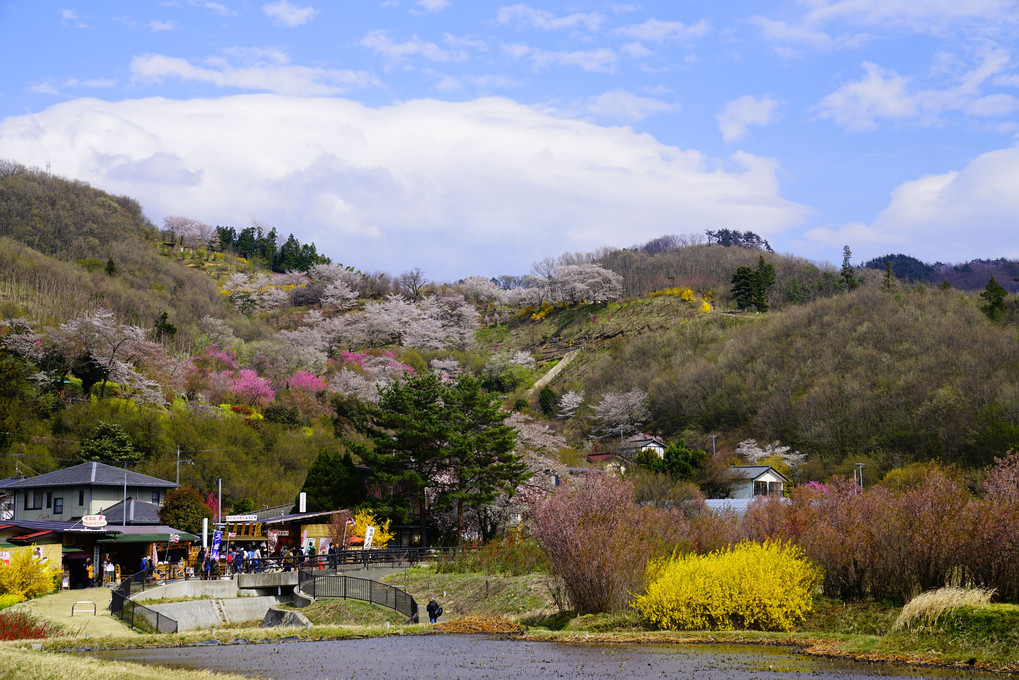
(859, 467)
(124, 510)
(713, 445)
(178, 466)
(219, 504)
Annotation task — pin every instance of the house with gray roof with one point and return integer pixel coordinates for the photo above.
(86, 489)
(756, 480)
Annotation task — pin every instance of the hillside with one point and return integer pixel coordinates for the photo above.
(57, 239)
(241, 388)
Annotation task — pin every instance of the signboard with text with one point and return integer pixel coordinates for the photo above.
(93, 521)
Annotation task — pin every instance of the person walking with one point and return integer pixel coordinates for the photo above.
(434, 610)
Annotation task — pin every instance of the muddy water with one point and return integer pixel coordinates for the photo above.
(439, 657)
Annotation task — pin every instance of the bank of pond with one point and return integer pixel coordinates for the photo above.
(484, 657)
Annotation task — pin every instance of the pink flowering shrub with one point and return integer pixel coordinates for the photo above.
(306, 381)
(212, 358)
(249, 388)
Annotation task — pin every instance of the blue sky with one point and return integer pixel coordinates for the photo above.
(477, 137)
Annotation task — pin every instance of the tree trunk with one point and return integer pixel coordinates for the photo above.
(459, 521)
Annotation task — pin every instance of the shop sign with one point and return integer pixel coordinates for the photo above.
(93, 521)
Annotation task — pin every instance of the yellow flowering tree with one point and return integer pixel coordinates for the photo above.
(364, 519)
(26, 576)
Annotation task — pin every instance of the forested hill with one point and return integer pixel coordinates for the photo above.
(186, 339)
(972, 275)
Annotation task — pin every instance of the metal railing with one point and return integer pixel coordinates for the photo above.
(384, 557)
(134, 614)
(363, 589)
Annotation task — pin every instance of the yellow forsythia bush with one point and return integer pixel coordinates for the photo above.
(26, 576)
(766, 586)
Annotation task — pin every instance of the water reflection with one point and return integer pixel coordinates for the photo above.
(479, 658)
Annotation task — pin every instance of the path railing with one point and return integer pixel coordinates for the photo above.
(136, 615)
(363, 589)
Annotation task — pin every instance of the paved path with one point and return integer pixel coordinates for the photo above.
(57, 607)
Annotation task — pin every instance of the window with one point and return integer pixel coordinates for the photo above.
(760, 488)
(49, 499)
(33, 499)
(58, 506)
(155, 497)
(81, 496)
(774, 488)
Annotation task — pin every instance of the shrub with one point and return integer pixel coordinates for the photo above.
(7, 599)
(19, 625)
(26, 576)
(598, 541)
(925, 609)
(767, 586)
(992, 554)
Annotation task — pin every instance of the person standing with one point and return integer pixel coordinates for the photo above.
(434, 610)
(90, 573)
(109, 570)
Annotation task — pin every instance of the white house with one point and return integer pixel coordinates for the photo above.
(756, 480)
(635, 445)
(86, 489)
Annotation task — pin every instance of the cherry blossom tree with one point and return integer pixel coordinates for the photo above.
(189, 231)
(621, 413)
(569, 403)
(771, 454)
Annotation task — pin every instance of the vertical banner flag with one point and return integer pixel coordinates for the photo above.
(369, 534)
(217, 538)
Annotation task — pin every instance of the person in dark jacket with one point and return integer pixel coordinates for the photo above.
(434, 610)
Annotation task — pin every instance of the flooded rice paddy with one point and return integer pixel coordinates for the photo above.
(440, 657)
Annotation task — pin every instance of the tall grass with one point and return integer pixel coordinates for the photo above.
(925, 609)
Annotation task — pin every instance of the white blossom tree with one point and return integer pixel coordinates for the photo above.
(188, 231)
(569, 403)
(621, 413)
(753, 454)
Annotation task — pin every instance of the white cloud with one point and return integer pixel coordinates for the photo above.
(483, 186)
(882, 94)
(601, 60)
(261, 70)
(965, 213)
(434, 5)
(636, 50)
(50, 87)
(285, 14)
(529, 17)
(70, 16)
(158, 26)
(839, 24)
(380, 42)
(216, 7)
(655, 30)
(621, 106)
(740, 113)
